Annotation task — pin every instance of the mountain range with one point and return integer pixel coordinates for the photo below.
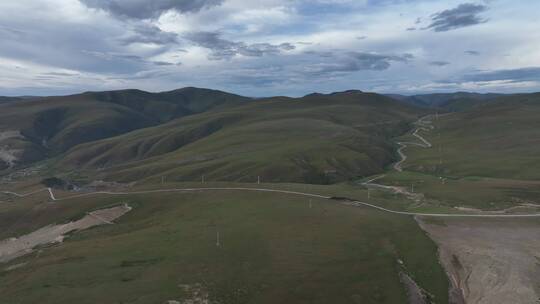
(185, 134)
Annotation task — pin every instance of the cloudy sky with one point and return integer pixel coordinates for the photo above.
(269, 47)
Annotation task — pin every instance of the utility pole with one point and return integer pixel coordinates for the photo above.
(412, 188)
(368, 194)
(162, 180)
(258, 179)
(218, 244)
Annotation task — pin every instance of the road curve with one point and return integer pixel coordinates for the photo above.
(424, 143)
(343, 201)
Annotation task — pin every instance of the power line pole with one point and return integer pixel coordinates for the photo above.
(218, 244)
(258, 179)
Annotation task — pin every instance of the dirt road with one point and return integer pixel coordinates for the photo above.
(422, 125)
(348, 202)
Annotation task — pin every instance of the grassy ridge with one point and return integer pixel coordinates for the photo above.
(316, 139)
(274, 249)
(51, 125)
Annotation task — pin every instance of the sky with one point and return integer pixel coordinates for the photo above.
(269, 47)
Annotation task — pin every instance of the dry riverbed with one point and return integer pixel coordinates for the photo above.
(16, 247)
(489, 261)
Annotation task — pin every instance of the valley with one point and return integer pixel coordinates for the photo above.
(269, 152)
(359, 187)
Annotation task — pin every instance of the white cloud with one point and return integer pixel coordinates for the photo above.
(65, 46)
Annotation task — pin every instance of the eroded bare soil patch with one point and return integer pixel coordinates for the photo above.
(16, 247)
(489, 261)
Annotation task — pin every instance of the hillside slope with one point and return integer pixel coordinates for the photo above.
(4, 99)
(36, 129)
(499, 139)
(316, 139)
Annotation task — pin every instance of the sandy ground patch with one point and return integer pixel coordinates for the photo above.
(8, 155)
(196, 294)
(16, 247)
(10, 134)
(489, 261)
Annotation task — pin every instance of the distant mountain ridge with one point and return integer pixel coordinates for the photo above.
(129, 135)
(449, 101)
(48, 126)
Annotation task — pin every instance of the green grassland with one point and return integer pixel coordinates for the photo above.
(487, 156)
(317, 139)
(273, 248)
(499, 140)
(474, 192)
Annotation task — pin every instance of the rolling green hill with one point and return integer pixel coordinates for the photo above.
(485, 157)
(4, 99)
(36, 129)
(315, 139)
(499, 139)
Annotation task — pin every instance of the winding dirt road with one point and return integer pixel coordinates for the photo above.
(422, 126)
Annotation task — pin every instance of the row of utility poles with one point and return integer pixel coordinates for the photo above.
(203, 179)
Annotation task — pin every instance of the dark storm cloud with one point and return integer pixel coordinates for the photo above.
(149, 34)
(324, 54)
(110, 56)
(60, 44)
(472, 53)
(464, 15)
(357, 61)
(11, 32)
(513, 75)
(61, 74)
(162, 63)
(439, 63)
(226, 49)
(146, 9)
(142, 75)
(256, 80)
